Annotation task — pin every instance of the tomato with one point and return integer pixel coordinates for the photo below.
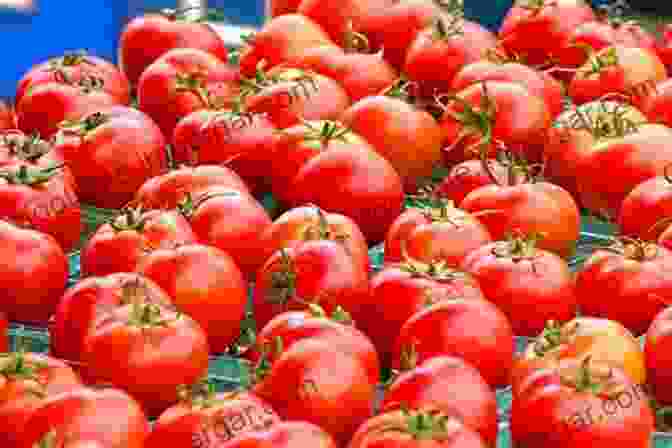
(34, 286)
(409, 138)
(452, 386)
(441, 233)
(118, 148)
(656, 106)
(166, 31)
(181, 81)
(309, 222)
(204, 417)
(93, 418)
(205, 283)
(26, 381)
(4, 334)
(367, 188)
(494, 114)
(414, 429)
(241, 141)
(656, 347)
(474, 330)
(43, 199)
(118, 246)
(75, 67)
(286, 435)
(7, 116)
(15, 146)
(89, 299)
(318, 271)
(275, 8)
(279, 40)
(604, 341)
(44, 107)
(646, 210)
(313, 380)
(629, 71)
(170, 189)
(633, 271)
(664, 46)
(581, 402)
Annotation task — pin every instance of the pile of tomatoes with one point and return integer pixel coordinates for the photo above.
(345, 112)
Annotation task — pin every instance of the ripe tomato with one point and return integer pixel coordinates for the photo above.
(205, 283)
(118, 246)
(664, 46)
(634, 271)
(656, 347)
(93, 418)
(318, 271)
(89, 299)
(604, 341)
(309, 222)
(76, 67)
(168, 30)
(170, 189)
(118, 148)
(241, 141)
(581, 402)
(4, 333)
(26, 381)
(15, 146)
(286, 435)
(35, 279)
(43, 199)
(474, 330)
(452, 386)
(204, 417)
(314, 381)
(181, 81)
(656, 106)
(7, 116)
(442, 233)
(647, 208)
(408, 137)
(415, 429)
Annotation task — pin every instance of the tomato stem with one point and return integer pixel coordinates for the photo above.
(30, 175)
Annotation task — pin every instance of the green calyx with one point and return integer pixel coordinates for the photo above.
(28, 175)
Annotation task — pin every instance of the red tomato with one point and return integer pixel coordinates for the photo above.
(664, 45)
(414, 429)
(309, 222)
(581, 402)
(207, 418)
(166, 31)
(319, 271)
(314, 381)
(657, 106)
(111, 153)
(646, 210)
(657, 346)
(442, 233)
(402, 289)
(83, 305)
(275, 8)
(34, 286)
(91, 418)
(665, 238)
(7, 116)
(231, 221)
(26, 381)
(77, 67)
(451, 386)
(15, 146)
(170, 189)
(530, 285)
(286, 435)
(43, 199)
(634, 272)
(367, 188)
(408, 137)
(474, 330)
(4, 334)
(119, 245)
(181, 81)
(205, 283)
(241, 141)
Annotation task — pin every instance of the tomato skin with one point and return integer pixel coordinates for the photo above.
(73, 68)
(7, 116)
(227, 416)
(451, 385)
(312, 382)
(19, 400)
(409, 138)
(664, 46)
(656, 347)
(119, 246)
(286, 435)
(488, 344)
(164, 97)
(656, 107)
(645, 207)
(169, 189)
(4, 334)
(83, 418)
(43, 263)
(165, 33)
(629, 279)
(205, 283)
(92, 154)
